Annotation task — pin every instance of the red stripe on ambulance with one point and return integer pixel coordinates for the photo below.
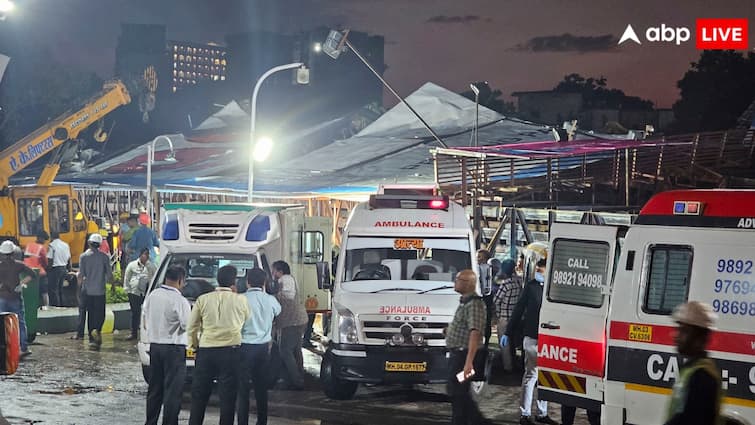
(570, 355)
(727, 342)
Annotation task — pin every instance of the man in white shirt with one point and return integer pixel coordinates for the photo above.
(291, 322)
(136, 279)
(59, 256)
(166, 317)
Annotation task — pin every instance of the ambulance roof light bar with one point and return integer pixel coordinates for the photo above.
(408, 189)
(409, 202)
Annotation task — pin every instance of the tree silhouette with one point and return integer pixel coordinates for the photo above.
(596, 94)
(715, 91)
(490, 98)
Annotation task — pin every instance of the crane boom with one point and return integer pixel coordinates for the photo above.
(56, 132)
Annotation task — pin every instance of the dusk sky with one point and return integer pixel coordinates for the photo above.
(515, 45)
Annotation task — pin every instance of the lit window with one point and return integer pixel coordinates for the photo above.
(223, 61)
(222, 78)
(181, 74)
(174, 89)
(175, 48)
(215, 78)
(181, 57)
(174, 73)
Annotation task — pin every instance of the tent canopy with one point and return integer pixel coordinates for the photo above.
(392, 149)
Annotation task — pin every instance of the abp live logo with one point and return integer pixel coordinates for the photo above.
(711, 34)
(721, 34)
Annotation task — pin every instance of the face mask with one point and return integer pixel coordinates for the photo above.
(539, 277)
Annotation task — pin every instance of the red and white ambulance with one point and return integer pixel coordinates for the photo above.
(606, 334)
(393, 291)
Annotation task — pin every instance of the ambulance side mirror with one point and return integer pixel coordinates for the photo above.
(323, 275)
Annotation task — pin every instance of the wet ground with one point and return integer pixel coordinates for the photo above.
(64, 382)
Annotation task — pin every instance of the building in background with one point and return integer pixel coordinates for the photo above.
(553, 107)
(193, 63)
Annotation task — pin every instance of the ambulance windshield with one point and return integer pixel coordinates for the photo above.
(202, 270)
(408, 259)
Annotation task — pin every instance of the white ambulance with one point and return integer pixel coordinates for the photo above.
(606, 335)
(201, 238)
(393, 292)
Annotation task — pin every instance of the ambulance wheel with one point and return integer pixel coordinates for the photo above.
(146, 373)
(732, 421)
(334, 388)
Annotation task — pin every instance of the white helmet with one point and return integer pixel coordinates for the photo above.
(7, 247)
(95, 238)
(695, 313)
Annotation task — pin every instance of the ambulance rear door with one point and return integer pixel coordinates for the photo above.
(572, 333)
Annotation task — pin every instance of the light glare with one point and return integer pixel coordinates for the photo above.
(6, 6)
(262, 149)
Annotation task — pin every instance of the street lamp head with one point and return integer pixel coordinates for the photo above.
(317, 47)
(262, 149)
(474, 88)
(335, 43)
(302, 75)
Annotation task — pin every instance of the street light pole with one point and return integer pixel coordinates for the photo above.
(338, 41)
(475, 216)
(269, 72)
(150, 160)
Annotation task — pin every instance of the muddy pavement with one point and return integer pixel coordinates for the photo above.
(65, 382)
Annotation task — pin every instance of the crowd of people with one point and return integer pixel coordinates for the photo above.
(231, 335)
(499, 290)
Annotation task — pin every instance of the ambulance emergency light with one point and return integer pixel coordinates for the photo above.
(687, 208)
(170, 227)
(258, 228)
(409, 202)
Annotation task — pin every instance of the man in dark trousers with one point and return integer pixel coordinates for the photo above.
(94, 271)
(256, 336)
(696, 395)
(526, 315)
(218, 316)
(463, 338)
(166, 317)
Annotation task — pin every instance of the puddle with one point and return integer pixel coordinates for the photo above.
(76, 389)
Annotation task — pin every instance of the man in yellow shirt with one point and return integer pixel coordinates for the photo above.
(218, 316)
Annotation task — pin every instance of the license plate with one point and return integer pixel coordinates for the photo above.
(190, 354)
(405, 367)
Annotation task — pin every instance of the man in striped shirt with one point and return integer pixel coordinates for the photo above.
(510, 287)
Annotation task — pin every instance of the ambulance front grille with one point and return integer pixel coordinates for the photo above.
(208, 232)
(384, 330)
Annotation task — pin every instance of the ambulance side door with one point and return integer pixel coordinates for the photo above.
(572, 331)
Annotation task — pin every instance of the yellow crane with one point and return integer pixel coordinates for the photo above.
(26, 210)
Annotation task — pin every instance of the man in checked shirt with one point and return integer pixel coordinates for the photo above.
(505, 299)
(463, 338)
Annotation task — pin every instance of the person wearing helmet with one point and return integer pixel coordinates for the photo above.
(143, 238)
(696, 395)
(94, 271)
(11, 287)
